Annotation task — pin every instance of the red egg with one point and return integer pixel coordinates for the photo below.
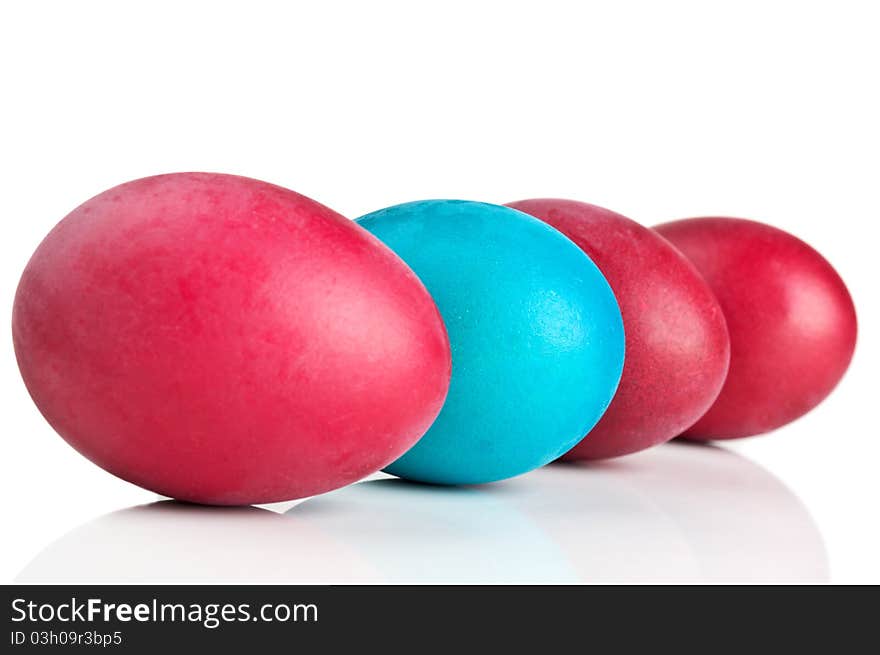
(791, 320)
(677, 347)
(222, 340)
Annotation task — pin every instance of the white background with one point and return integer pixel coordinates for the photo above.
(768, 110)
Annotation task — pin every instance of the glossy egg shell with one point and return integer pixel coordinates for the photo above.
(222, 340)
(536, 336)
(677, 348)
(791, 320)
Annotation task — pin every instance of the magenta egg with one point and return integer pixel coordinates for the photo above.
(677, 348)
(791, 320)
(222, 340)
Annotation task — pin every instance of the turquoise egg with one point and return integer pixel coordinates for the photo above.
(536, 336)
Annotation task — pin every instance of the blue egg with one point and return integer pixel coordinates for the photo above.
(536, 336)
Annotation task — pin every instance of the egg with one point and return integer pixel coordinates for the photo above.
(222, 340)
(536, 337)
(791, 320)
(677, 347)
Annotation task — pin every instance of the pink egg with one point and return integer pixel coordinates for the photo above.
(792, 322)
(222, 340)
(677, 347)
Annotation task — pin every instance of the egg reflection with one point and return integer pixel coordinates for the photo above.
(170, 542)
(422, 533)
(677, 513)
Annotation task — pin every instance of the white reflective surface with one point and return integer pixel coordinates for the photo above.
(679, 513)
(781, 131)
